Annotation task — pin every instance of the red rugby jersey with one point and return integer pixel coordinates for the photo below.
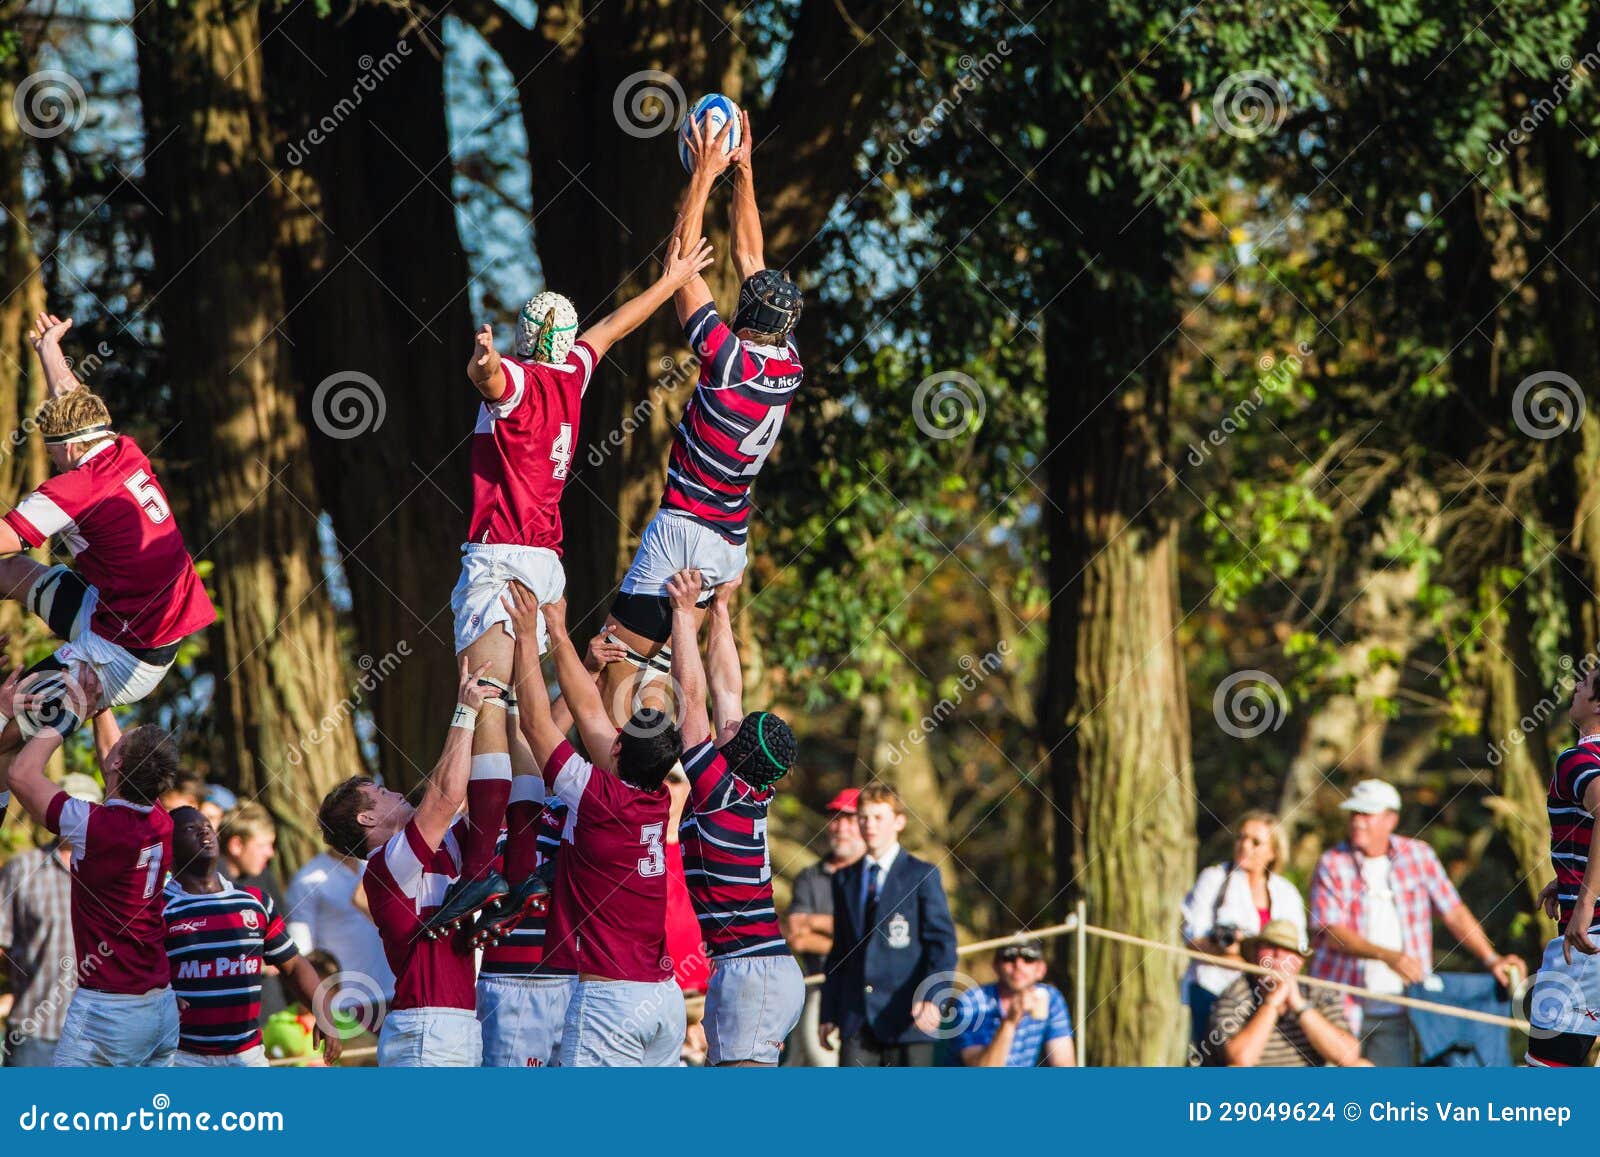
(522, 451)
(726, 861)
(1571, 825)
(609, 913)
(729, 426)
(216, 944)
(120, 856)
(405, 883)
(113, 516)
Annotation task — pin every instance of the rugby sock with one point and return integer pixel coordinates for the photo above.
(522, 828)
(5, 802)
(488, 792)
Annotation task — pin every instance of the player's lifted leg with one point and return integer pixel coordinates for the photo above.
(749, 375)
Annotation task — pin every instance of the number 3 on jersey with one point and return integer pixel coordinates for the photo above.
(758, 443)
(654, 862)
(144, 488)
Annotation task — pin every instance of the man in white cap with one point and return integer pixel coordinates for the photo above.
(1372, 903)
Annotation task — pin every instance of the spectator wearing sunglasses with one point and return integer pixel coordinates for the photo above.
(1018, 1022)
(1230, 901)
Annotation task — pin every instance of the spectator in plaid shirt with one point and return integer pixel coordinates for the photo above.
(1372, 903)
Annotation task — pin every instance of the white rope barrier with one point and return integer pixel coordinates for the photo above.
(1077, 925)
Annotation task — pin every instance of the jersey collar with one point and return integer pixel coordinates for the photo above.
(97, 448)
(1595, 738)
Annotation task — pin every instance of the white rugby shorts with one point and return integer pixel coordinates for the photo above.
(487, 571)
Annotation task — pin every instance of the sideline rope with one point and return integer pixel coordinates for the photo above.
(1070, 926)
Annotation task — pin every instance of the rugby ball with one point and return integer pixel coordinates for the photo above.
(713, 111)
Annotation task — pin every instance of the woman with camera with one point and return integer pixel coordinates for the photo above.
(1229, 902)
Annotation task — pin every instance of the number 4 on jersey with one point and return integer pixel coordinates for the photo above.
(561, 451)
(758, 443)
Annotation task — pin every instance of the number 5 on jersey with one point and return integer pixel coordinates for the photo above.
(144, 488)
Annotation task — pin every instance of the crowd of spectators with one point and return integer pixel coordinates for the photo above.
(872, 920)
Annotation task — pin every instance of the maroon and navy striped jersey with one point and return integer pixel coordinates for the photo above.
(216, 944)
(120, 854)
(405, 883)
(1571, 825)
(522, 952)
(726, 861)
(729, 426)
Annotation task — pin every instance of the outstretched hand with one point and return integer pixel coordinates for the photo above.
(741, 154)
(483, 343)
(523, 607)
(47, 330)
(684, 588)
(681, 267)
(470, 692)
(706, 150)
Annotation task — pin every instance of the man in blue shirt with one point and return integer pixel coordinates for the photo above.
(1019, 1021)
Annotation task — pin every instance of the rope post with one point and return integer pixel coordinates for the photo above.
(1080, 984)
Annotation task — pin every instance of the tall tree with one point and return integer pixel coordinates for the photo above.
(221, 301)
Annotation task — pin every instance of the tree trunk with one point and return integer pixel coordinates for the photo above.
(1113, 711)
(282, 708)
(376, 279)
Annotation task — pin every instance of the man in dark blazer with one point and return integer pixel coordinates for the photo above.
(891, 932)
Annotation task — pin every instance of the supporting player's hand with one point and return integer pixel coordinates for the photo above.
(602, 653)
(523, 607)
(470, 692)
(1548, 901)
(681, 268)
(47, 330)
(707, 151)
(555, 617)
(741, 155)
(825, 1035)
(1576, 936)
(483, 346)
(724, 596)
(684, 589)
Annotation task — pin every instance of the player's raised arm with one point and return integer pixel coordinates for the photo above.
(709, 162)
(685, 260)
(447, 782)
(483, 368)
(694, 725)
(722, 662)
(527, 679)
(577, 685)
(46, 335)
(744, 219)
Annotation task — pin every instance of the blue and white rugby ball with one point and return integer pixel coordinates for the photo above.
(713, 111)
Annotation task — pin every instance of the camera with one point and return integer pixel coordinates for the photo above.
(1226, 935)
